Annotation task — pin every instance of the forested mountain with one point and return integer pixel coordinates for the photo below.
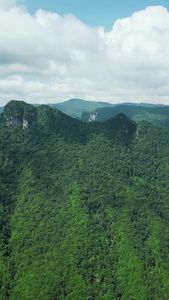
(75, 107)
(154, 114)
(99, 111)
(84, 207)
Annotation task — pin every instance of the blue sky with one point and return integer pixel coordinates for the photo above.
(113, 51)
(95, 12)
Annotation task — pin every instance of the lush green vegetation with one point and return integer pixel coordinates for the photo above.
(75, 107)
(155, 114)
(82, 109)
(84, 208)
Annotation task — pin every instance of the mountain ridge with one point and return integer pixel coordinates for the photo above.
(75, 107)
(155, 114)
(23, 115)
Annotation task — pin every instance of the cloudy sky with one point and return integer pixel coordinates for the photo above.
(101, 50)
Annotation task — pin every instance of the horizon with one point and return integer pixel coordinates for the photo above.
(104, 52)
(85, 100)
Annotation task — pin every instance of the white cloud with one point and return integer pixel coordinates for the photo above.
(50, 58)
(7, 4)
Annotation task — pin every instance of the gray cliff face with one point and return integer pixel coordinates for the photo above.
(25, 123)
(16, 122)
(93, 117)
(19, 114)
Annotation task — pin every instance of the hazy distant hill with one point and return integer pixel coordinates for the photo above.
(75, 107)
(158, 115)
(140, 104)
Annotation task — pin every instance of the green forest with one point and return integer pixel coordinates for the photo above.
(84, 207)
(157, 115)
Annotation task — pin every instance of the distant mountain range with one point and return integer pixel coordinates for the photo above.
(154, 114)
(75, 107)
(89, 111)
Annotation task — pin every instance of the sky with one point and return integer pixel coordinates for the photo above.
(113, 51)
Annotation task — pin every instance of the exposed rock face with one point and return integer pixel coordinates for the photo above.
(93, 117)
(13, 121)
(19, 114)
(25, 123)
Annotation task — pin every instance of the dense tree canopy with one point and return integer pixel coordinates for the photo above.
(84, 208)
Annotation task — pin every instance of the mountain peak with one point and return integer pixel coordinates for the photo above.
(23, 115)
(121, 123)
(19, 114)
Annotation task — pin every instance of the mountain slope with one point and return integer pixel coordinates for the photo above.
(84, 207)
(75, 107)
(156, 115)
